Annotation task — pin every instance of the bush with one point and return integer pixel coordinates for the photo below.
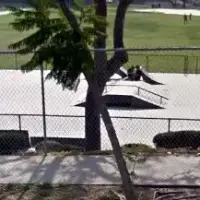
(178, 139)
(54, 146)
(133, 148)
(12, 141)
(51, 146)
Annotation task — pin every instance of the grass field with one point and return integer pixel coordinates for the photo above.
(141, 30)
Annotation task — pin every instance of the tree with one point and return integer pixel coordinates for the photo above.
(174, 3)
(184, 3)
(104, 69)
(64, 43)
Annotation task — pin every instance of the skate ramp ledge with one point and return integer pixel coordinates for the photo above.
(126, 101)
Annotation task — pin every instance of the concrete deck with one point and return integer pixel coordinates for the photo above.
(21, 94)
(169, 170)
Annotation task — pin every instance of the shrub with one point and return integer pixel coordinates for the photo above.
(133, 148)
(54, 146)
(51, 146)
(12, 141)
(178, 139)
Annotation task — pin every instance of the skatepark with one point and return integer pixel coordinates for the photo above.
(21, 93)
(21, 96)
(176, 100)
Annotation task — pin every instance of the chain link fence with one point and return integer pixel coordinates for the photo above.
(155, 61)
(172, 106)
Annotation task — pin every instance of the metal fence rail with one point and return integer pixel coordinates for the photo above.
(164, 60)
(169, 120)
(139, 90)
(129, 129)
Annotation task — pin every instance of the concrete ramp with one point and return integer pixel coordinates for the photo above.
(148, 79)
(126, 101)
(122, 72)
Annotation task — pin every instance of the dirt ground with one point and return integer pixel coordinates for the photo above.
(85, 192)
(66, 192)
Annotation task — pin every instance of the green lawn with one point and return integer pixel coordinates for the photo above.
(141, 30)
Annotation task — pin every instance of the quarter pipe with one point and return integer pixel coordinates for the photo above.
(148, 79)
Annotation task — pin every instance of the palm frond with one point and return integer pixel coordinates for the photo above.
(70, 60)
(78, 5)
(39, 37)
(23, 24)
(39, 5)
(25, 50)
(55, 41)
(33, 41)
(40, 56)
(18, 12)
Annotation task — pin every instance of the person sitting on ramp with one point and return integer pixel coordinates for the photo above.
(138, 73)
(134, 73)
(131, 73)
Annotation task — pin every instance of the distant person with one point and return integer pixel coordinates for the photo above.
(131, 73)
(185, 18)
(138, 73)
(190, 16)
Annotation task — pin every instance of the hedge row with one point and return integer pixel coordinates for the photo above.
(178, 139)
(13, 141)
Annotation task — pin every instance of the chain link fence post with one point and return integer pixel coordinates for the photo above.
(147, 62)
(16, 62)
(43, 109)
(197, 64)
(20, 122)
(169, 125)
(185, 70)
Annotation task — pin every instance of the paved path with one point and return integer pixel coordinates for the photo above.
(98, 170)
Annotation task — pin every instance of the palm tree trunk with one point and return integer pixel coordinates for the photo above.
(92, 111)
(92, 123)
(126, 180)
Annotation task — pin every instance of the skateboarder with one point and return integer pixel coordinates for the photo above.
(134, 73)
(138, 73)
(185, 18)
(131, 73)
(190, 16)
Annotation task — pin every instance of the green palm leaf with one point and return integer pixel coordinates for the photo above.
(54, 40)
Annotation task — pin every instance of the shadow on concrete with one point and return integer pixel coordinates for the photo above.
(9, 159)
(169, 170)
(158, 170)
(67, 170)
